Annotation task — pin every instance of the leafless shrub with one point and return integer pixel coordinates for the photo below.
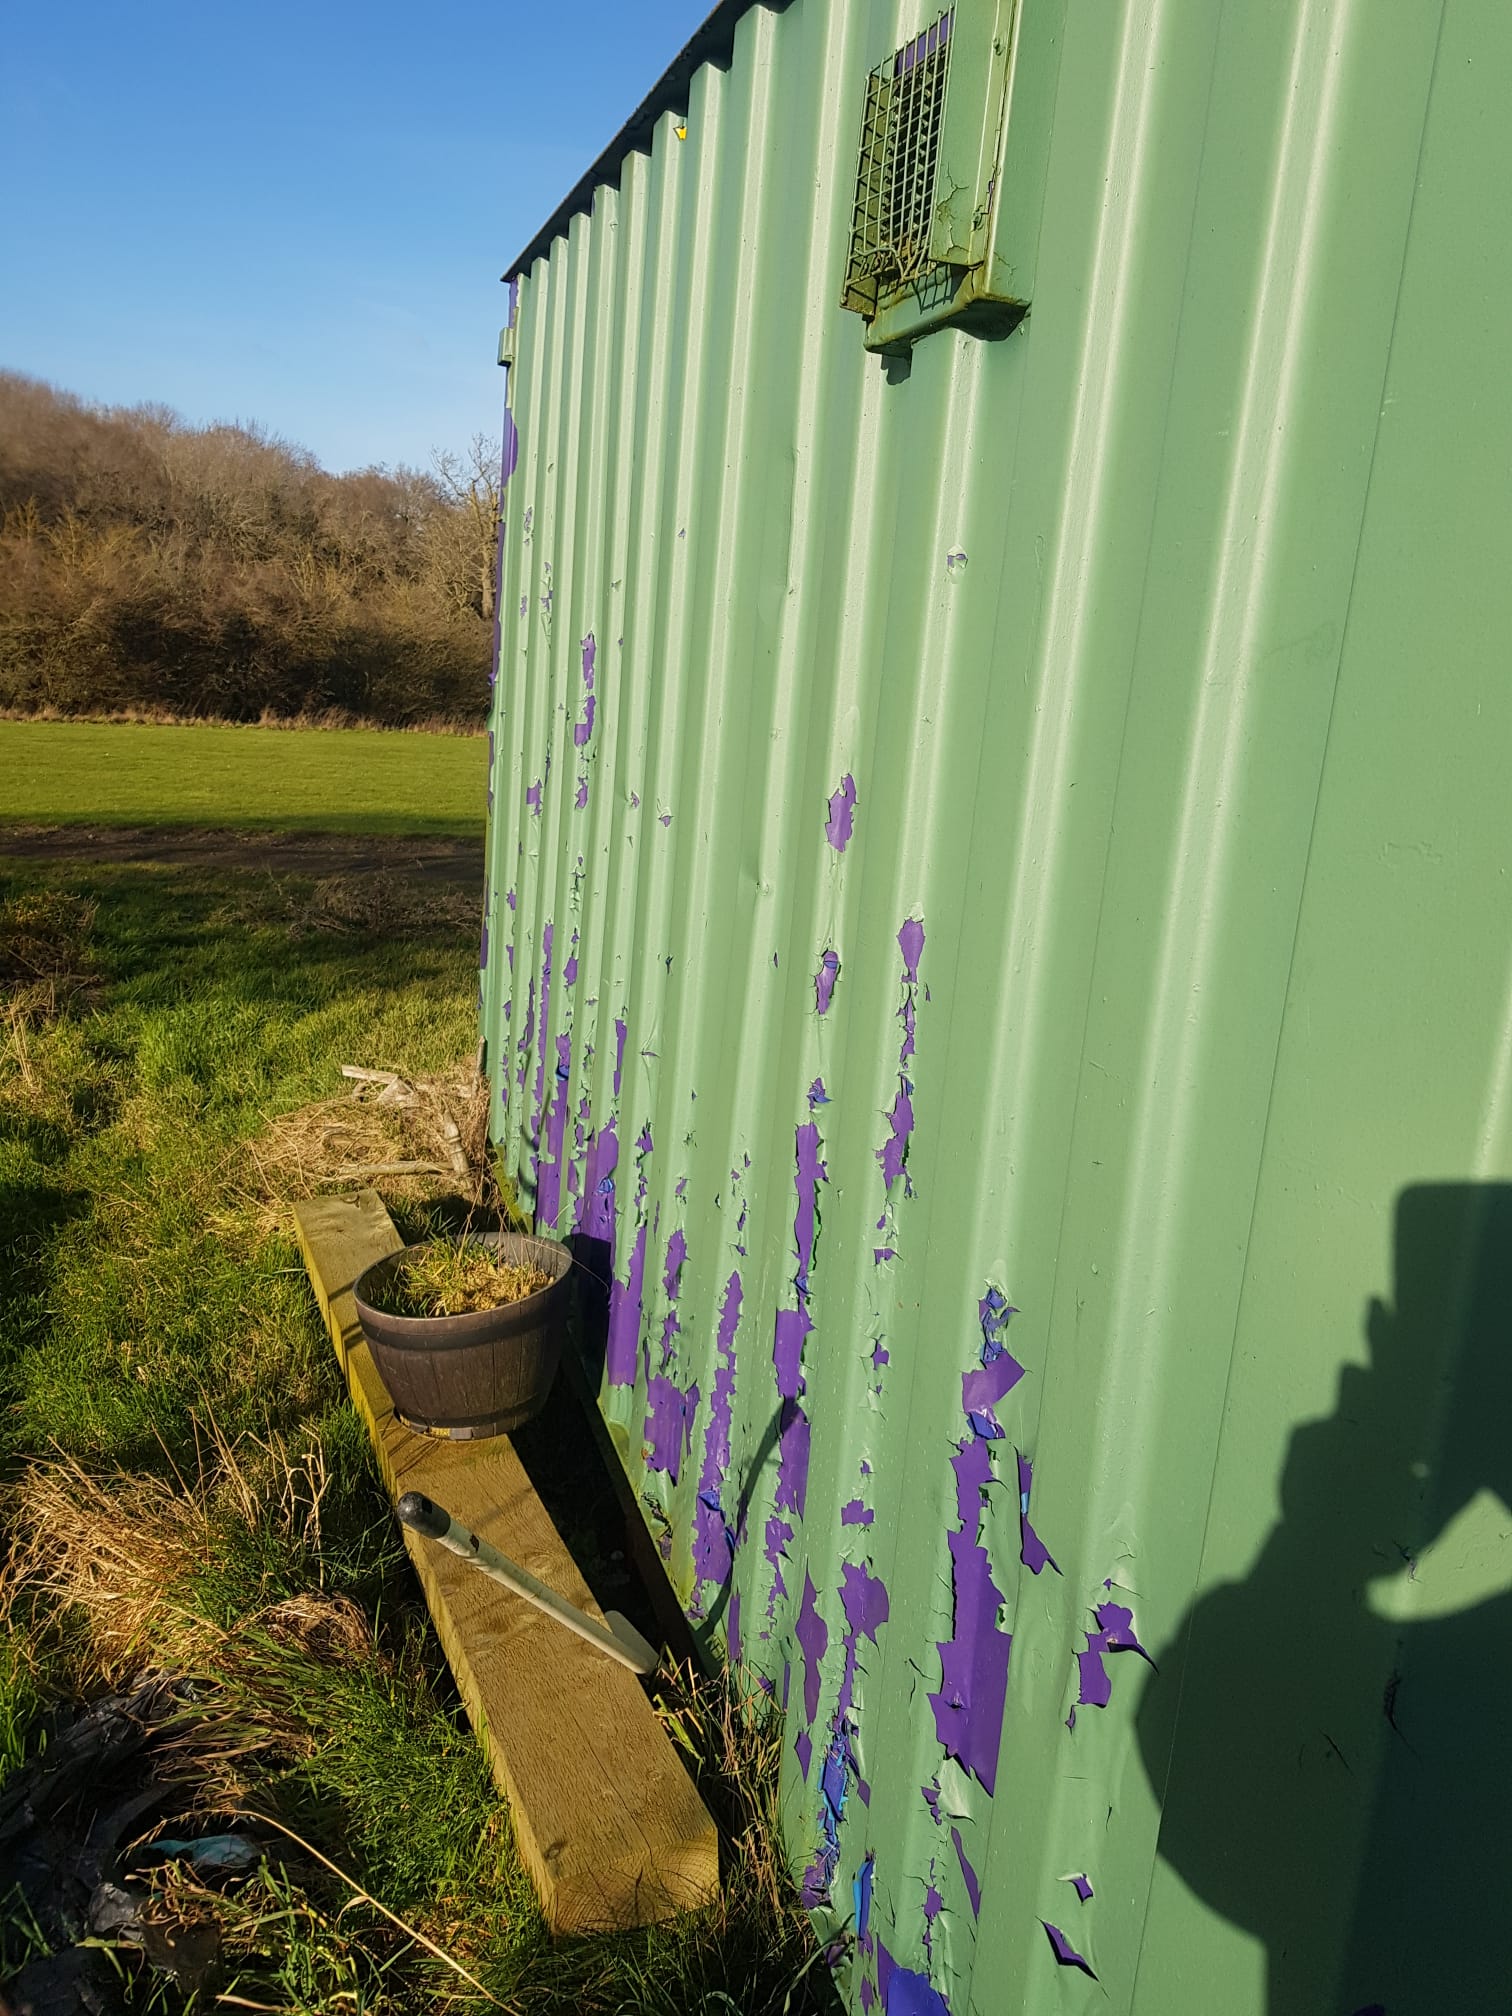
(150, 567)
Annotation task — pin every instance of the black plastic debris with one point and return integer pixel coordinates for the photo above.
(76, 1841)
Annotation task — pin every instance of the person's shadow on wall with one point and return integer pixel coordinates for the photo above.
(1335, 1761)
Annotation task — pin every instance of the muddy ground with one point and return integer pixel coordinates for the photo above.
(455, 861)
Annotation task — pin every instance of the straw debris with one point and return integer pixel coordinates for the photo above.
(428, 1133)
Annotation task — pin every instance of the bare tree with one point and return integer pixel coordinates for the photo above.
(470, 483)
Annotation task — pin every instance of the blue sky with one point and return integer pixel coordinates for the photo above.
(297, 214)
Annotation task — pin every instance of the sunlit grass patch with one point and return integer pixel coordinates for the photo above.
(188, 1494)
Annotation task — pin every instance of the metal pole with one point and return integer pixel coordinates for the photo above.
(616, 1635)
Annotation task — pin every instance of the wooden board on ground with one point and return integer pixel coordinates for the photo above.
(609, 1824)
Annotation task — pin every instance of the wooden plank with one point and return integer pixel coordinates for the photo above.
(609, 1824)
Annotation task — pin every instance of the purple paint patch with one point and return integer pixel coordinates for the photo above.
(863, 1598)
(1000, 1373)
(714, 1541)
(803, 1745)
(824, 981)
(509, 459)
(995, 1312)
(533, 797)
(1065, 1953)
(968, 1707)
(968, 1874)
(1081, 1886)
(580, 802)
(582, 731)
(792, 1326)
(812, 1634)
(893, 1153)
(842, 810)
(814, 1889)
(549, 1186)
(596, 1206)
(817, 1096)
(1114, 1633)
(538, 1116)
(861, 1894)
(934, 1903)
(856, 1514)
(791, 1494)
(911, 945)
(788, 1333)
(981, 1391)
(527, 1035)
(620, 1033)
(677, 1253)
(665, 818)
(905, 1992)
(777, 1535)
(932, 1801)
(882, 1254)
(1032, 1550)
(811, 1173)
(669, 1425)
(625, 1317)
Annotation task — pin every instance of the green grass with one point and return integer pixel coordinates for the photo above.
(340, 780)
(187, 1481)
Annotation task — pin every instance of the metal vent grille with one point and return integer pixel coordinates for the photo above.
(895, 177)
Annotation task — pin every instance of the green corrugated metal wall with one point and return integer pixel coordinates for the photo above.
(1163, 646)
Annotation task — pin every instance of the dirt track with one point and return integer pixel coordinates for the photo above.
(458, 861)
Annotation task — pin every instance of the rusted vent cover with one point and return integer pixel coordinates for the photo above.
(895, 176)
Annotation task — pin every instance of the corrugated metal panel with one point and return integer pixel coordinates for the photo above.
(1029, 830)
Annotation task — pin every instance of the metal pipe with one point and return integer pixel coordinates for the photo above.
(616, 1635)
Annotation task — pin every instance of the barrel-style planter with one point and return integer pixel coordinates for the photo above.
(476, 1374)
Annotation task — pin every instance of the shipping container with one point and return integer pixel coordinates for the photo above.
(999, 936)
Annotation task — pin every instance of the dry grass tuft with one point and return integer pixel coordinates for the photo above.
(119, 1553)
(45, 960)
(329, 1629)
(424, 1137)
(731, 1732)
(384, 903)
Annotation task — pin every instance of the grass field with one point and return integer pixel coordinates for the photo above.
(187, 1491)
(341, 780)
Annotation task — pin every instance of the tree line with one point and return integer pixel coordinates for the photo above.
(149, 566)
